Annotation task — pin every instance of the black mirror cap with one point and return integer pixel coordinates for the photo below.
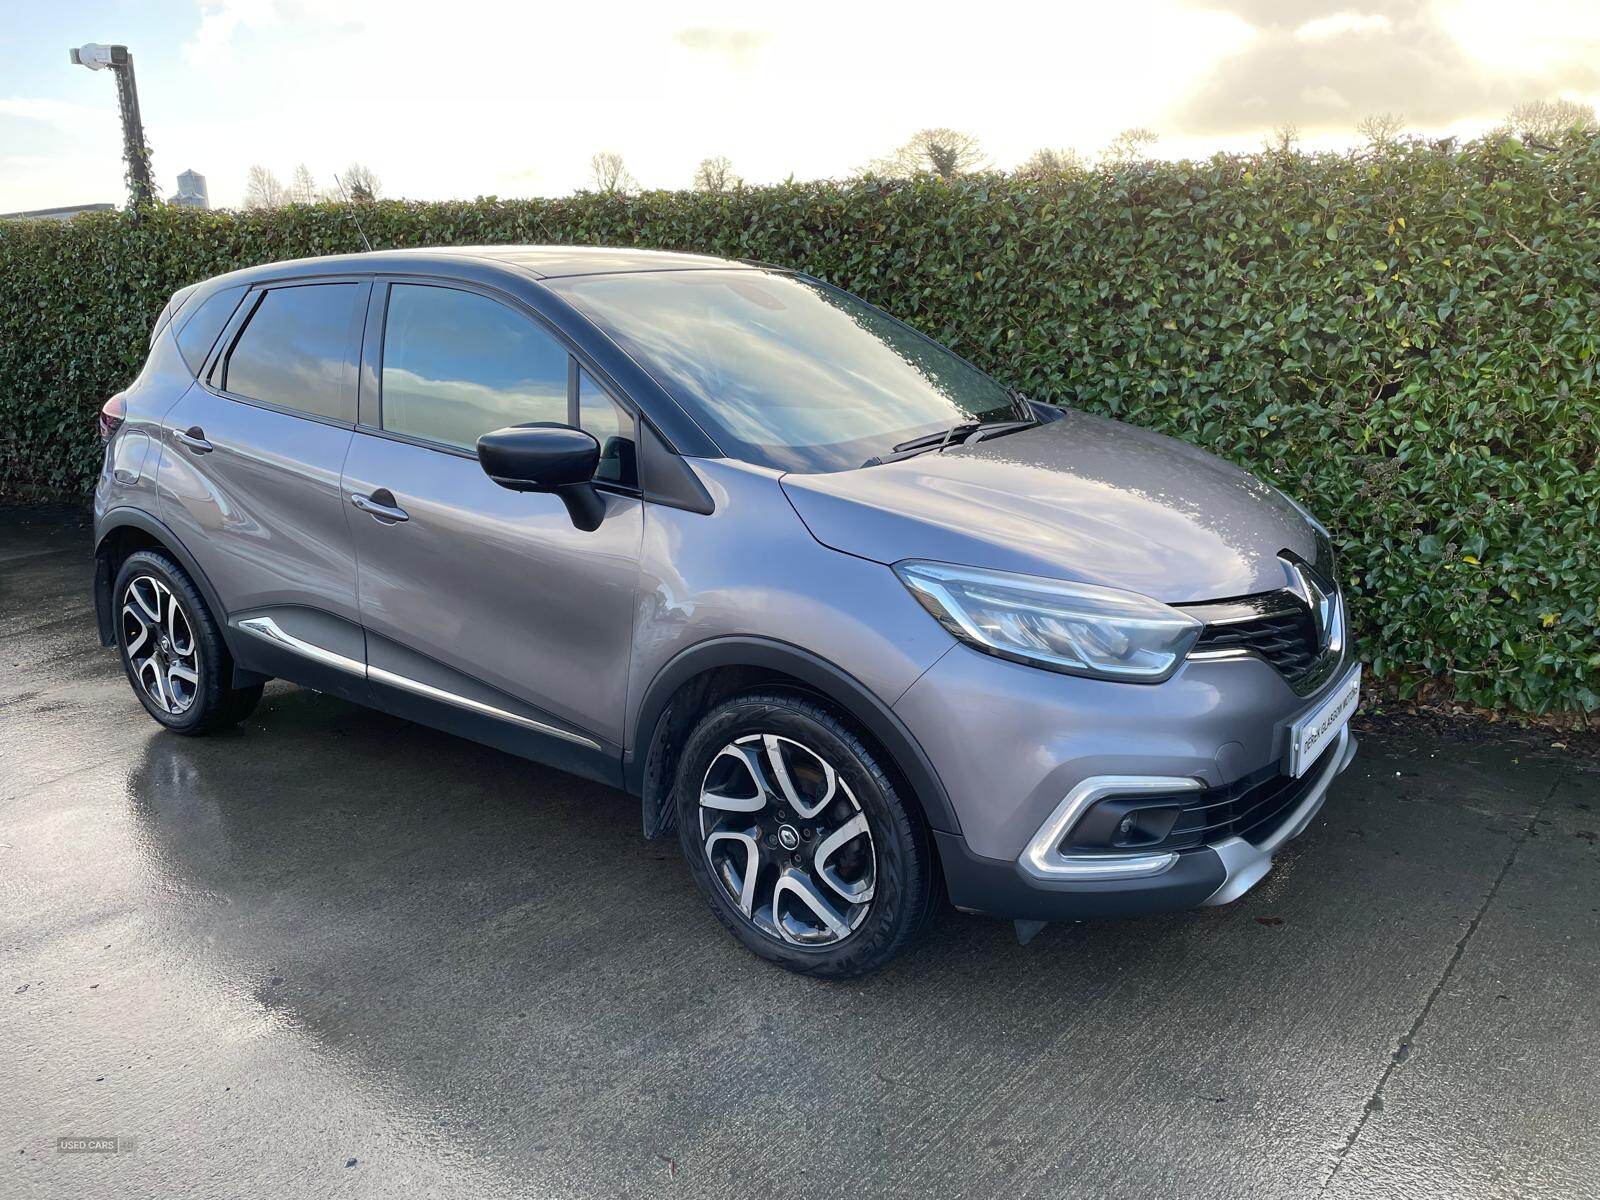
(539, 457)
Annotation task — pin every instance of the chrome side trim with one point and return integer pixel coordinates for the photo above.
(379, 675)
(1246, 864)
(1042, 859)
(268, 630)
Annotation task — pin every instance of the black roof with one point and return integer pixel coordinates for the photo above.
(540, 262)
(551, 262)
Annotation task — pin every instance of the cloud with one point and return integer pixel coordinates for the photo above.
(64, 113)
(1324, 96)
(739, 46)
(1318, 28)
(1320, 64)
(220, 21)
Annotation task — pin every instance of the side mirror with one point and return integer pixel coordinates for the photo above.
(544, 457)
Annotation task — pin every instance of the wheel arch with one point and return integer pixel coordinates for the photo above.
(709, 671)
(122, 531)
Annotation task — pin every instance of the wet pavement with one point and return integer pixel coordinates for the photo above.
(332, 953)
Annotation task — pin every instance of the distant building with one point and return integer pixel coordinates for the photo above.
(192, 191)
(65, 213)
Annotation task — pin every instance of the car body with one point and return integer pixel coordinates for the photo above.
(295, 455)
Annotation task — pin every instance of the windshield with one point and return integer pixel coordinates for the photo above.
(783, 372)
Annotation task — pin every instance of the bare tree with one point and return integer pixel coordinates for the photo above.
(303, 187)
(715, 175)
(1381, 130)
(361, 183)
(1131, 145)
(947, 153)
(611, 174)
(1052, 160)
(263, 189)
(1547, 120)
(1282, 139)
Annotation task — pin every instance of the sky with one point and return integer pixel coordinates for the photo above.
(512, 97)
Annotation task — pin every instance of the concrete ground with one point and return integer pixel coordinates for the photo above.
(336, 954)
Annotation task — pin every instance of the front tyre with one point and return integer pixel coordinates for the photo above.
(171, 649)
(799, 839)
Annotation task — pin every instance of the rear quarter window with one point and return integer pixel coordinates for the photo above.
(170, 311)
(199, 331)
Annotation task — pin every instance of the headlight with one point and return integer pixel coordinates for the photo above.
(1070, 627)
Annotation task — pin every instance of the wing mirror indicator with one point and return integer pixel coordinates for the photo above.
(547, 457)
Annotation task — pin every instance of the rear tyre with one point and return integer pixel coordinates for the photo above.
(799, 839)
(172, 650)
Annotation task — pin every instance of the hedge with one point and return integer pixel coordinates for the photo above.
(1406, 342)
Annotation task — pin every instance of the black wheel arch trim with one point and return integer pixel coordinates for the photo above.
(124, 517)
(832, 682)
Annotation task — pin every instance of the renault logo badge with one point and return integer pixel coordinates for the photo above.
(1322, 603)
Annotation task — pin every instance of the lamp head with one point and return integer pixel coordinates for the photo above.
(97, 57)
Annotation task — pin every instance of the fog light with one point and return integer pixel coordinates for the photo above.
(1146, 826)
(1123, 823)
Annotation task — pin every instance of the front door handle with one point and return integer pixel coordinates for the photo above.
(195, 438)
(381, 506)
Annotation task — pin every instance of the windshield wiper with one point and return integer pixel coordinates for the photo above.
(928, 441)
(957, 435)
(991, 429)
(938, 441)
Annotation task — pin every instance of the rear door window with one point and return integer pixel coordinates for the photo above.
(294, 348)
(457, 365)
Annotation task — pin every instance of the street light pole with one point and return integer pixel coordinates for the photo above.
(134, 149)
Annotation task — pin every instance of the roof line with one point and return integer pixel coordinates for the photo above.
(730, 265)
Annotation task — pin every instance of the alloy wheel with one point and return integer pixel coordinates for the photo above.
(786, 840)
(160, 645)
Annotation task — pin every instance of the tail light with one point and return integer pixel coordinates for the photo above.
(111, 416)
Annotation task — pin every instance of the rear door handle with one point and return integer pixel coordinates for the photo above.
(381, 506)
(195, 439)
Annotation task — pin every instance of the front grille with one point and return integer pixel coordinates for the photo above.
(1286, 638)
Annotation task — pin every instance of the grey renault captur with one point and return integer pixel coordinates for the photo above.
(852, 616)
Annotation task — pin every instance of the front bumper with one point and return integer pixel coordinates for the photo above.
(1210, 875)
(1013, 746)
(1247, 862)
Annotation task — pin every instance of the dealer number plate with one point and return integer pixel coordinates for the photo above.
(1311, 734)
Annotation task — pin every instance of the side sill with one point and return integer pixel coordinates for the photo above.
(477, 720)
